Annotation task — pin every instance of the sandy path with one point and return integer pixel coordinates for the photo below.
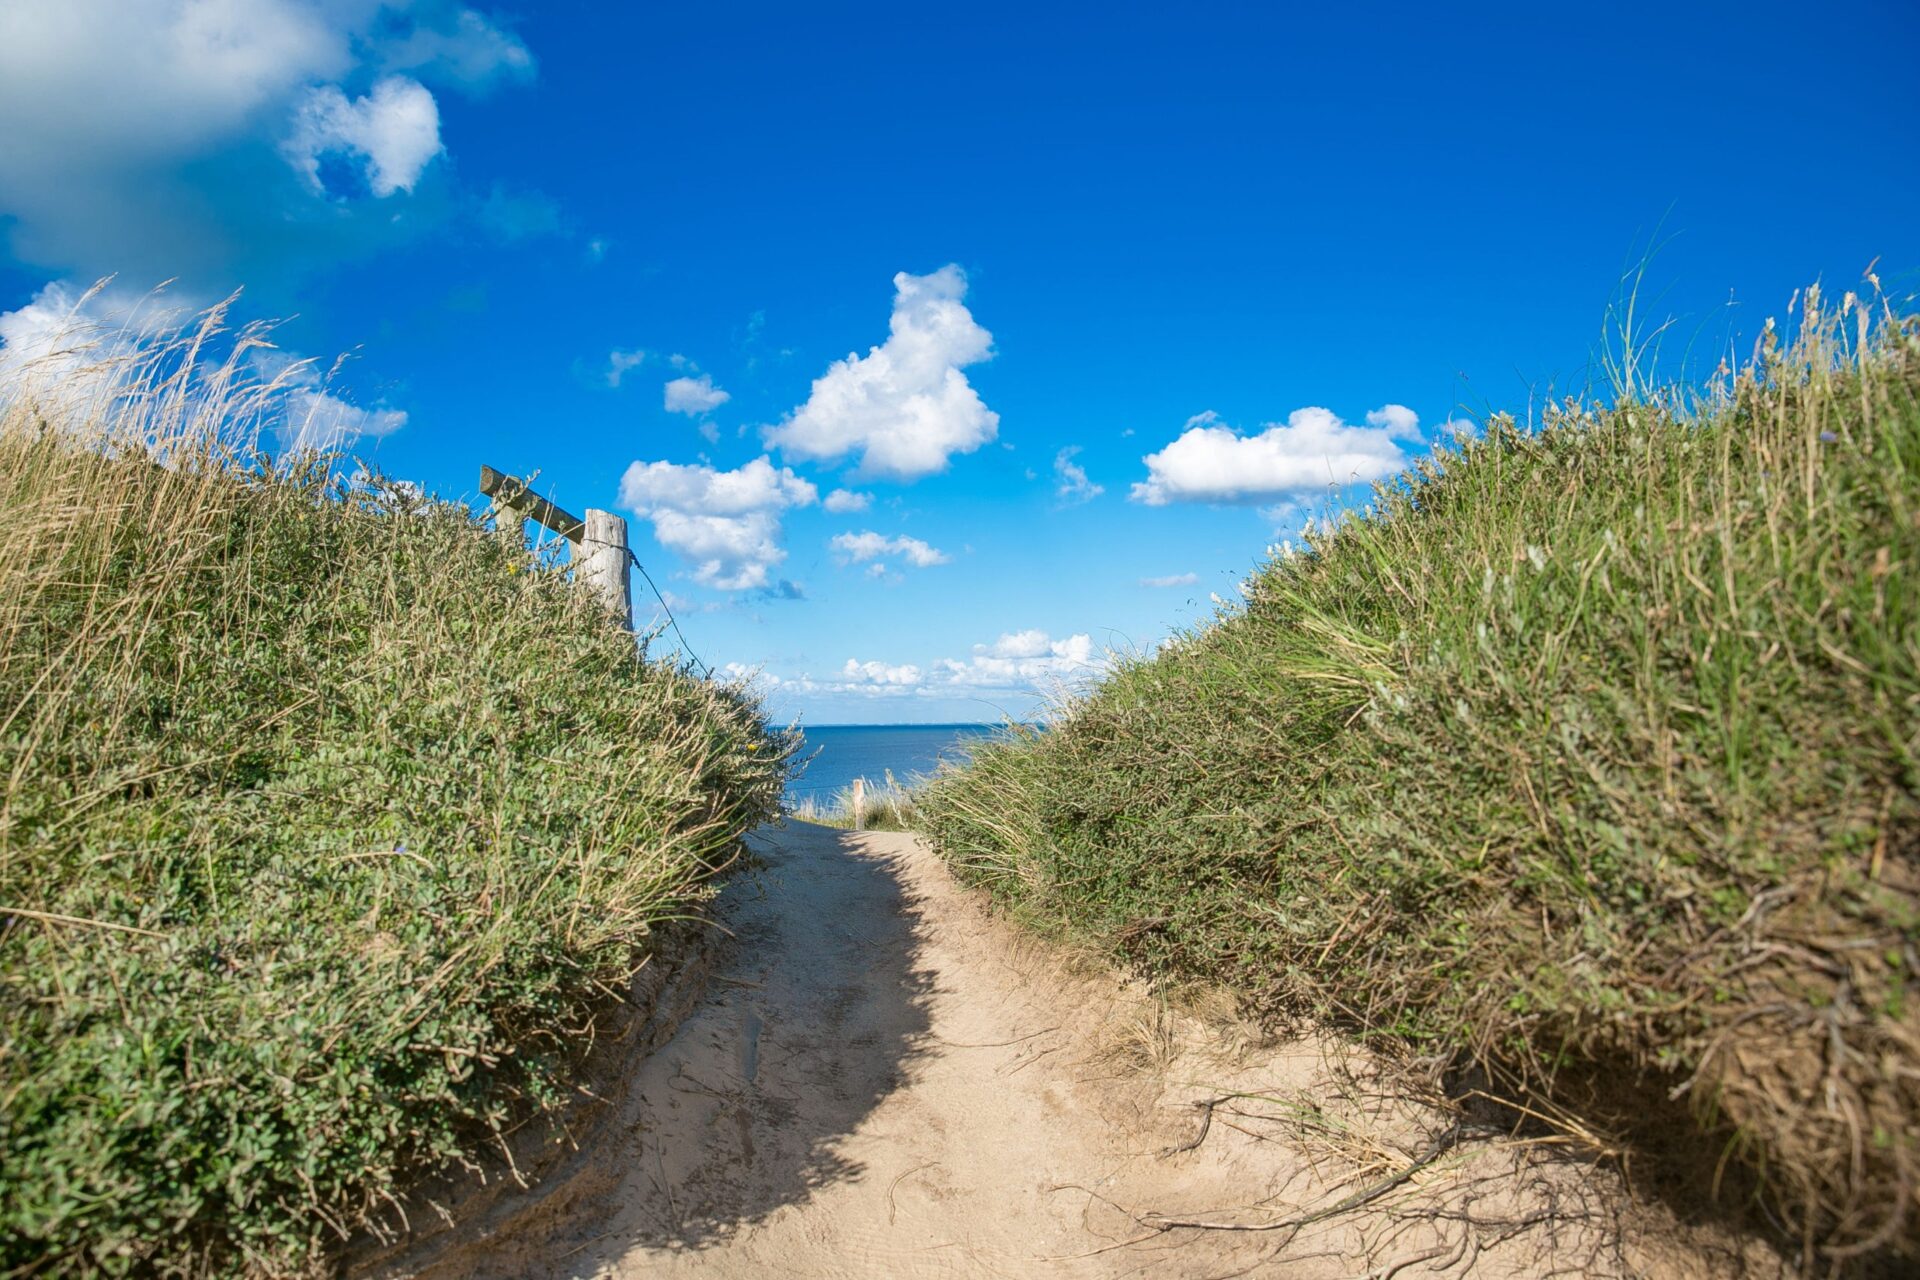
(884, 1081)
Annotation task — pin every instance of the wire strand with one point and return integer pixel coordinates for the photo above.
(671, 620)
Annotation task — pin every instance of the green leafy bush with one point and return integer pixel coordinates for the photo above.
(332, 818)
(1588, 753)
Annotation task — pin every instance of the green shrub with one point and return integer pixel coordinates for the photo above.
(1585, 752)
(332, 819)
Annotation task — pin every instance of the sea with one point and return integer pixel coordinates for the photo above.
(836, 754)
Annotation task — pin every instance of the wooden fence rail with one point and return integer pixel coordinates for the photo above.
(598, 544)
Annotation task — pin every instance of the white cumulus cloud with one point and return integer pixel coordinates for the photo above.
(741, 673)
(1396, 419)
(842, 502)
(1171, 580)
(1313, 449)
(868, 545)
(1071, 485)
(154, 79)
(73, 351)
(51, 336)
(694, 396)
(904, 407)
(168, 137)
(725, 524)
(318, 419)
(1022, 661)
(1018, 662)
(394, 130)
(880, 673)
(619, 363)
(1033, 643)
(80, 350)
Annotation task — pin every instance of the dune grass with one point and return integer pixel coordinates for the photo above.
(888, 806)
(1586, 753)
(333, 823)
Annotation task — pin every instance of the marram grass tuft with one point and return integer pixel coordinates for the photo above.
(331, 817)
(1586, 754)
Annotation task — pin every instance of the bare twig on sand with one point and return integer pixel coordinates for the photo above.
(1447, 1140)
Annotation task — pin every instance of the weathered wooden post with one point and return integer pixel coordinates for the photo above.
(605, 564)
(598, 544)
(859, 804)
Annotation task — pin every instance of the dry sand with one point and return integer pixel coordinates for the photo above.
(883, 1080)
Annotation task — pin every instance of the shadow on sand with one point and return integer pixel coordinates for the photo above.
(814, 1011)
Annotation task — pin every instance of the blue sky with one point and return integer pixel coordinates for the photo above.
(1147, 284)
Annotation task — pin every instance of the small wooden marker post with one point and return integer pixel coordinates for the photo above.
(598, 544)
(859, 804)
(605, 564)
